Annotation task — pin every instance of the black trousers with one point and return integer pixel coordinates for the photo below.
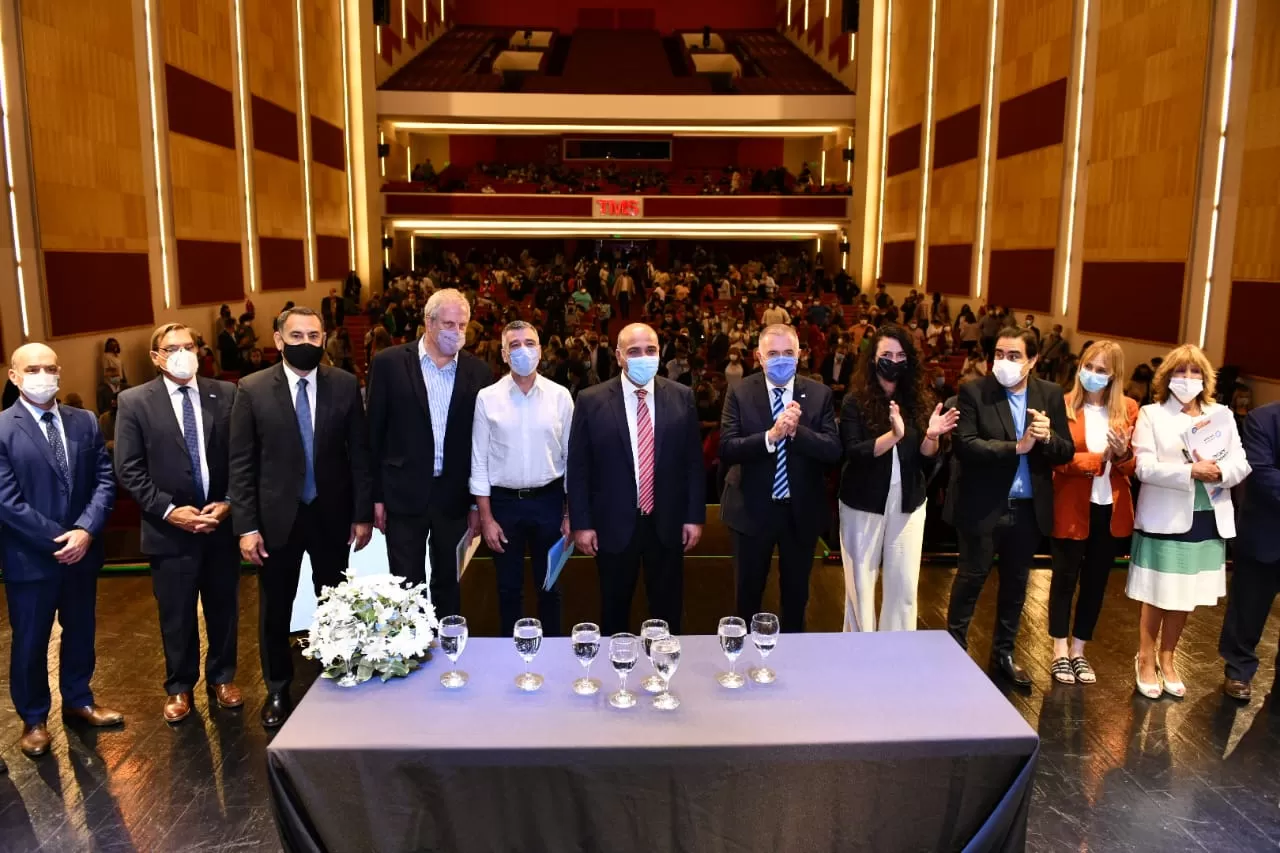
(1254, 585)
(1086, 562)
(532, 524)
(407, 554)
(206, 578)
(1014, 540)
(663, 580)
(278, 586)
(752, 556)
(624, 305)
(988, 347)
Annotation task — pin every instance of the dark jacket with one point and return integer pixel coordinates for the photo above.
(1257, 533)
(864, 482)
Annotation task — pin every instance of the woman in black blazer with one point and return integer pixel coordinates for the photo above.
(890, 429)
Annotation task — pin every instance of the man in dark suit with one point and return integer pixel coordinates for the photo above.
(332, 310)
(56, 492)
(300, 483)
(600, 358)
(422, 405)
(1256, 578)
(778, 439)
(634, 490)
(837, 368)
(172, 454)
(1012, 431)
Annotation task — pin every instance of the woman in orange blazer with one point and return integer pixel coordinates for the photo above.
(1092, 506)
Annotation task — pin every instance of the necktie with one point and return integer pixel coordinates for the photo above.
(644, 440)
(191, 434)
(781, 485)
(59, 452)
(303, 408)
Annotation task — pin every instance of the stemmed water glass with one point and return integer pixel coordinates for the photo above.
(453, 639)
(651, 630)
(764, 633)
(528, 637)
(665, 655)
(733, 637)
(624, 649)
(586, 645)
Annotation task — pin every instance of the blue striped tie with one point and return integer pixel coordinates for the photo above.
(190, 433)
(781, 485)
(303, 407)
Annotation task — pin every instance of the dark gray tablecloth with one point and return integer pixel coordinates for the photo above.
(879, 742)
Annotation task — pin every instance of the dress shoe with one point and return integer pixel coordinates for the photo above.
(94, 715)
(177, 707)
(226, 695)
(276, 710)
(1010, 669)
(35, 740)
(1241, 690)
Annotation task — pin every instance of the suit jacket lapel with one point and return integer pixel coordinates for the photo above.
(461, 386)
(285, 403)
(1035, 399)
(208, 411)
(73, 443)
(164, 414)
(324, 408)
(1000, 398)
(36, 432)
(619, 407)
(413, 365)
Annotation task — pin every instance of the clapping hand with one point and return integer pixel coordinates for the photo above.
(941, 423)
(895, 420)
(1117, 443)
(1039, 427)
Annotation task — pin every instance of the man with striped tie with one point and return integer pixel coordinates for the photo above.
(636, 491)
(778, 441)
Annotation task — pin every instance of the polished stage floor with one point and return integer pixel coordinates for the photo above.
(1116, 771)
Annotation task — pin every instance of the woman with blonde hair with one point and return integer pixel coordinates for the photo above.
(1092, 506)
(1178, 557)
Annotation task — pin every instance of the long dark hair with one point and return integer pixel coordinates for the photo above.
(914, 398)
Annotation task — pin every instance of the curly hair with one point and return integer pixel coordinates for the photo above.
(913, 396)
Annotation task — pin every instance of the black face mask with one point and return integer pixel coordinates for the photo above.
(890, 370)
(303, 356)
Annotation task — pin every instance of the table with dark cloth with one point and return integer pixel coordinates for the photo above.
(879, 742)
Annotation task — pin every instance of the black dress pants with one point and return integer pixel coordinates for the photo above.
(1014, 540)
(1086, 562)
(531, 524)
(663, 579)
(207, 578)
(752, 556)
(407, 554)
(1254, 585)
(278, 586)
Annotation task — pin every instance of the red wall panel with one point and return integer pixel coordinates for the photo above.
(333, 260)
(199, 109)
(209, 272)
(666, 15)
(795, 207)
(898, 262)
(488, 205)
(950, 269)
(466, 151)
(275, 129)
(1251, 332)
(687, 152)
(1132, 299)
(284, 263)
(955, 138)
(97, 291)
(328, 146)
(1021, 279)
(1032, 120)
(903, 152)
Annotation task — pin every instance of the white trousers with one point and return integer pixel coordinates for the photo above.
(869, 540)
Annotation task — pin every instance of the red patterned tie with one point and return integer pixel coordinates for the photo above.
(644, 438)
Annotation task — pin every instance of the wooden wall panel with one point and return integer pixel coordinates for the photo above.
(902, 206)
(1036, 43)
(1026, 194)
(1257, 243)
(953, 203)
(1146, 129)
(324, 59)
(909, 63)
(205, 195)
(272, 51)
(278, 195)
(82, 98)
(329, 200)
(961, 55)
(198, 38)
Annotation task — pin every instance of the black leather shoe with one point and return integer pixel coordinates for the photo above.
(276, 710)
(1010, 669)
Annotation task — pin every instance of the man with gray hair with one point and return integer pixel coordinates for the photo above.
(422, 399)
(519, 447)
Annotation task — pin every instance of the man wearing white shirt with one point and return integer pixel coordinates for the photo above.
(519, 447)
(172, 455)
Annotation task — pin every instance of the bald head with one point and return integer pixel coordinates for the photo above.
(34, 369)
(637, 339)
(35, 355)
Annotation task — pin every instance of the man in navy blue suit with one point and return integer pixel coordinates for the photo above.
(56, 491)
(1256, 576)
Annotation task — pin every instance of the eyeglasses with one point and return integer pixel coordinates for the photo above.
(173, 350)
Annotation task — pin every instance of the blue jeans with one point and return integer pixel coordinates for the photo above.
(532, 524)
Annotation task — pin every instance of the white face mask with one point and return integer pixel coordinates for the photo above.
(1007, 373)
(40, 388)
(1185, 388)
(181, 365)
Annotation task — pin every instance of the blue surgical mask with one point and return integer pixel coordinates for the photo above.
(524, 360)
(1093, 382)
(780, 369)
(642, 368)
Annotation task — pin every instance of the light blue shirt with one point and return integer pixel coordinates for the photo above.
(1021, 488)
(440, 382)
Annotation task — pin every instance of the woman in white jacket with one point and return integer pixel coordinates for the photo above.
(1178, 557)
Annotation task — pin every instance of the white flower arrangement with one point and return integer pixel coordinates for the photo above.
(376, 624)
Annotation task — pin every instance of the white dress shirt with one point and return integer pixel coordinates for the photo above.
(788, 392)
(631, 402)
(1096, 424)
(39, 413)
(518, 440)
(439, 382)
(175, 399)
(311, 390)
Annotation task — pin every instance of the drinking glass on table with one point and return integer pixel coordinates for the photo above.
(764, 634)
(624, 649)
(586, 645)
(453, 639)
(733, 637)
(666, 657)
(528, 637)
(651, 630)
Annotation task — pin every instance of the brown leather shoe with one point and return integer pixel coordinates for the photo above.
(94, 715)
(227, 695)
(1237, 689)
(35, 740)
(177, 707)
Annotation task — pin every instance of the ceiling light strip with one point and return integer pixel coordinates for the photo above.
(246, 146)
(639, 129)
(569, 232)
(926, 158)
(153, 97)
(10, 190)
(984, 184)
(305, 110)
(346, 139)
(616, 225)
(884, 136)
(1214, 217)
(1073, 188)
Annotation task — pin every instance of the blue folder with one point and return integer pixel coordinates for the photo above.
(556, 558)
